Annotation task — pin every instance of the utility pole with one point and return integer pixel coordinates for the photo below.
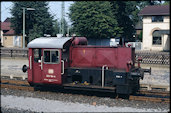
(24, 28)
(62, 18)
(32, 9)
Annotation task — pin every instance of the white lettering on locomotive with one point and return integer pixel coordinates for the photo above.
(118, 76)
(50, 80)
(50, 71)
(51, 76)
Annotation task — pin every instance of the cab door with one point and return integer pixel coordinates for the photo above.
(36, 65)
(51, 65)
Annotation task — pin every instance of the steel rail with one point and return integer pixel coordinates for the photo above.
(9, 86)
(24, 85)
(153, 99)
(151, 92)
(18, 82)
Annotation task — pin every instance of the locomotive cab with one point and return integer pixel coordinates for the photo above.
(46, 65)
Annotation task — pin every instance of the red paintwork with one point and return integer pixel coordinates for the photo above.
(139, 59)
(83, 56)
(57, 73)
(30, 73)
(36, 75)
(79, 41)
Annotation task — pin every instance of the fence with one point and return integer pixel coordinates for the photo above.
(149, 57)
(14, 52)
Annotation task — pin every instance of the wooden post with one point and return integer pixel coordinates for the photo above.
(11, 53)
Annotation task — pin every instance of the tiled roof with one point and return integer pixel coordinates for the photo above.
(155, 10)
(10, 32)
(5, 25)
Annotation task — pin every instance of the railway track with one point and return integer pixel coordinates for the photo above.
(142, 95)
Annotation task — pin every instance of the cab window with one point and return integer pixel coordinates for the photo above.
(37, 54)
(51, 56)
(46, 56)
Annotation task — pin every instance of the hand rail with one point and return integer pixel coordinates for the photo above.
(41, 62)
(62, 67)
(30, 62)
(103, 75)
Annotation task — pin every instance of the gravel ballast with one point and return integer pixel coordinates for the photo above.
(84, 98)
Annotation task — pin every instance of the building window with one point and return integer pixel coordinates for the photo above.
(157, 40)
(157, 18)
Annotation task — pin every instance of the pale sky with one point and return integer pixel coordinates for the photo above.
(54, 9)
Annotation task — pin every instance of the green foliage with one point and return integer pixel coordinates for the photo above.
(125, 12)
(102, 19)
(94, 19)
(142, 4)
(56, 27)
(166, 2)
(37, 22)
(36, 32)
(65, 26)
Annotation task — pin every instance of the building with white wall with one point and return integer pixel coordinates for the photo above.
(8, 36)
(156, 27)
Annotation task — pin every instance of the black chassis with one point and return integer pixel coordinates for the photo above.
(124, 82)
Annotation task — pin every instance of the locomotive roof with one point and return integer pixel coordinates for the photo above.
(50, 42)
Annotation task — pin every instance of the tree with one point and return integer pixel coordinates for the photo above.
(142, 4)
(65, 26)
(166, 2)
(38, 22)
(107, 19)
(123, 11)
(94, 19)
(126, 13)
(35, 32)
(56, 27)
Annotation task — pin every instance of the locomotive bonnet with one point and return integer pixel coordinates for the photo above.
(70, 62)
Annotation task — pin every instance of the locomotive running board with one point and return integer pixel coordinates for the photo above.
(89, 88)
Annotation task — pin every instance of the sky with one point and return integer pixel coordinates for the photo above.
(54, 9)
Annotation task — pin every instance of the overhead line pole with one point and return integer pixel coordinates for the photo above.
(62, 18)
(23, 28)
(24, 24)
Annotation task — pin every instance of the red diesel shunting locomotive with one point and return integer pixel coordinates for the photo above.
(71, 63)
